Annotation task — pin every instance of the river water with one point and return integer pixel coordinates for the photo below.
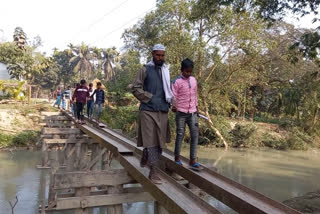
(277, 174)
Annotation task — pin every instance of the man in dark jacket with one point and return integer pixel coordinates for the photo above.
(80, 98)
(152, 88)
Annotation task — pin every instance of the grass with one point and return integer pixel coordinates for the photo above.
(24, 138)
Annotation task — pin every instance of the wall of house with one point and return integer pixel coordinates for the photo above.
(4, 75)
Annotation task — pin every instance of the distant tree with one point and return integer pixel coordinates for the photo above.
(36, 42)
(65, 72)
(19, 37)
(81, 61)
(273, 10)
(49, 78)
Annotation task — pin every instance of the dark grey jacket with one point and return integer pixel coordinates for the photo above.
(148, 88)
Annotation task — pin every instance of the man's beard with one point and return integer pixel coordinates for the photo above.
(158, 63)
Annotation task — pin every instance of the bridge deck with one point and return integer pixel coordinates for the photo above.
(172, 195)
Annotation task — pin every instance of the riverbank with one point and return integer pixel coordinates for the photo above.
(20, 125)
(279, 134)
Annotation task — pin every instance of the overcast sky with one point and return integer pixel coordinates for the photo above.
(59, 22)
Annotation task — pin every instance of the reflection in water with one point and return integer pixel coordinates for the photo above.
(18, 176)
(279, 175)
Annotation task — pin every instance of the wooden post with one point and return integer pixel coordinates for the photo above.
(44, 155)
(84, 191)
(53, 156)
(95, 151)
(158, 209)
(70, 155)
(114, 209)
(29, 94)
(43, 192)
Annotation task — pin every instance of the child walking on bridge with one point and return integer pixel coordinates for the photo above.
(184, 88)
(90, 102)
(98, 105)
(81, 94)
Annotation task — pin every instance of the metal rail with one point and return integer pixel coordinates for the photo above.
(238, 197)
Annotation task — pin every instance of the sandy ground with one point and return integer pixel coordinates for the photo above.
(11, 121)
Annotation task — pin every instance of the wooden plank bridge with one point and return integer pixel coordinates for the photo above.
(83, 175)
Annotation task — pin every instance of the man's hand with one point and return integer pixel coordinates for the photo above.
(174, 109)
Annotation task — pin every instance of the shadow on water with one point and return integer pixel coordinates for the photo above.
(279, 175)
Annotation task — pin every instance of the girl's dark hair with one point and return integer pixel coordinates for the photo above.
(99, 83)
(186, 63)
(90, 84)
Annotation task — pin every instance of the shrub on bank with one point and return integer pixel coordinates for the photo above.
(243, 135)
(25, 138)
(122, 117)
(275, 143)
(5, 140)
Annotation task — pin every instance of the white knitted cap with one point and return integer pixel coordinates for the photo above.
(158, 47)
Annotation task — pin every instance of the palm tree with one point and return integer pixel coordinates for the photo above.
(107, 67)
(111, 59)
(82, 65)
(19, 36)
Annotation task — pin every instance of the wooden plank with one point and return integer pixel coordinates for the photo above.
(101, 200)
(58, 124)
(64, 141)
(104, 192)
(170, 194)
(92, 179)
(57, 131)
(57, 118)
(49, 113)
(106, 141)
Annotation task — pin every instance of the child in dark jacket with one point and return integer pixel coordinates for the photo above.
(98, 105)
(81, 94)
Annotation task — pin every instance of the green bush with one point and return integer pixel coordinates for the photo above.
(295, 140)
(274, 143)
(284, 123)
(20, 139)
(299, 140)
(25, 138)
(242, 135)
(207, 135)
(124, 118)
(5, 139)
